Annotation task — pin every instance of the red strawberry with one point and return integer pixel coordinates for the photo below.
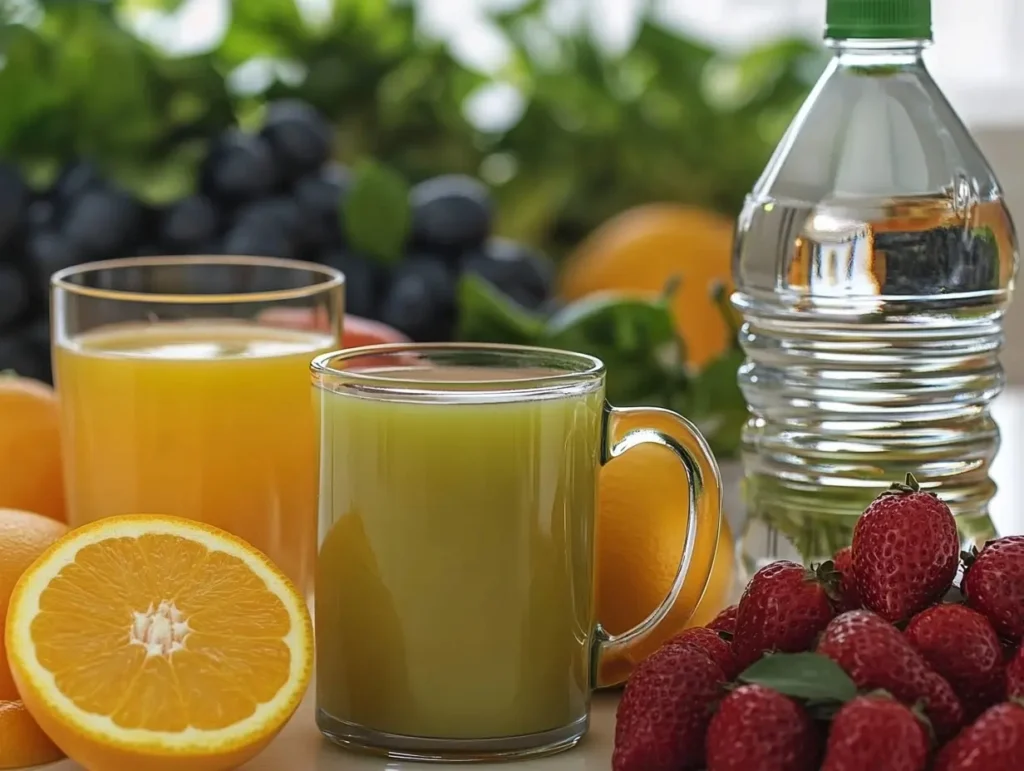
(906, 551)
(995, 742)
(962, 646)
(877, 656)
(994, 584)
(665, 710)
(710, 643)
(1015, 676)
(784, 608)
(875, 732)
(849, 596)
(725, 621)
(758, 728)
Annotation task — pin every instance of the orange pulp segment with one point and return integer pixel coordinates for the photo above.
(145, 641)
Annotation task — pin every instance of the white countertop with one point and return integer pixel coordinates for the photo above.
(301, 748)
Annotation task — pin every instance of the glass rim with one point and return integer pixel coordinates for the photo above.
(332, 279)
(590, 368)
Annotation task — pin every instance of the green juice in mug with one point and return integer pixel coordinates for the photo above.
(456, 562)
(455, 601)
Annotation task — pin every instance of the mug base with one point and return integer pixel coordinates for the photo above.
(434, 750)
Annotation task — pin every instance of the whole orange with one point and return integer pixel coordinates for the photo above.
(31, 478)
(23, 537)
(642, 248)
(22, 741)
(642, 521)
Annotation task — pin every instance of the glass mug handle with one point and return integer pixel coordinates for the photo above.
(703, 510)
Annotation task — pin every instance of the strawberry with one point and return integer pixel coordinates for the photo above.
(725, 621)
(664, 711)
(1015, 676)
(758, 728)
(876, 732)
(876, 655)
(710, 643)
(993, 584)
(849, 596)
(962, 646)
(784, 608)
(995, 742)
(906, 551)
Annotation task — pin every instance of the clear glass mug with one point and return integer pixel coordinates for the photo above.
(184, 390)
(455, 608)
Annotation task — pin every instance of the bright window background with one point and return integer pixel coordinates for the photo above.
(977, 57)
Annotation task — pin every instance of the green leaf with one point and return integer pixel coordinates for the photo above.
(532, 201)
(635, 338)
(488, 316)
(614, 323)
(268, 29)
(376, 211)
(802, 676)
(716, 404)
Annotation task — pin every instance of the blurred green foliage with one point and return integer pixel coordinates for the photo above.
(636, 339)
(670, 118)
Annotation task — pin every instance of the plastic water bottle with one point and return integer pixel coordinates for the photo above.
(873, 263)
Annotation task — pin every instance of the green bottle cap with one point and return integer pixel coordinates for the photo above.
(879, 19)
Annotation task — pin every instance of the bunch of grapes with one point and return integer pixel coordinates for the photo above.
(276, 192)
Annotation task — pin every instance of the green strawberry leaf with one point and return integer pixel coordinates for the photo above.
(802, 676)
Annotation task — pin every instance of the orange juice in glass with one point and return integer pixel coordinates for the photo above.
(180, 395)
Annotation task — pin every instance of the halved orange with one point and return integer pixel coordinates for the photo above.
(156, 643)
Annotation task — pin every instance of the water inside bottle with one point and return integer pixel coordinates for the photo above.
(876, 355)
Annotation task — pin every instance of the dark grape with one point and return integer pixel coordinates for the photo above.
(279, 212)
(103, 222)
(421, 301)
(337, 174)
(14, 200)
(155, 250)
(21, 355)
(74, 179)
(14, 296)
(365, 281)
(299, 137)
(420, 255)
(239, 167)
(319, 197)
(151, 219)
(259, 239)
(36, 337)
(41, 215)
(46, 252)
(189, 225)
(451, 213)
(515, 269)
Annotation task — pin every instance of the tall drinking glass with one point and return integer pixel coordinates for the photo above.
(455, 586)
(183, 391)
